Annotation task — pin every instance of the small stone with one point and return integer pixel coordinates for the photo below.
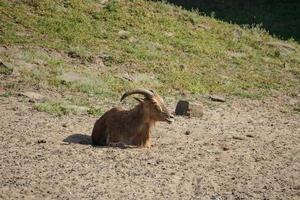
(169, 34)
(225, 148)
(33, 96)
(41, 141)
(238, 138)
(186, 108)
(127, 77)
(195, 110)
(73, 54)
(31, 101)
(71, 77)
(250, 136)
(132, 39)
(182, 108)
(123, 34)
(64, 125)
(203, 26)
(217, 98)
(187, 132)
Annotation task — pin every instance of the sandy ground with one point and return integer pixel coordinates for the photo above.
(238, 150)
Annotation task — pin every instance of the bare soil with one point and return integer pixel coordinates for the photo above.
(240, 149)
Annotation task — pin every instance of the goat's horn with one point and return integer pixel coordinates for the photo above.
(144, 92)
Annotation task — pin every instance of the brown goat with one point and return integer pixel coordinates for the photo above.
(119, 127)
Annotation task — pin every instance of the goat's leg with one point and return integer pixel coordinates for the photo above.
(148, 143)
(142, 140)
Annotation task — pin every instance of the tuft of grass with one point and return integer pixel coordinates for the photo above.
(95, 111)
(61, 107)
(6, 94)
(54, 108)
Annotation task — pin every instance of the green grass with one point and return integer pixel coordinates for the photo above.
(59, 108)
(56, 108)
(139, 37)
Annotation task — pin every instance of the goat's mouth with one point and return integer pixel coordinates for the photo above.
(170, 119)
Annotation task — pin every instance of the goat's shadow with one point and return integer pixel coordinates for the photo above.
(84, 139)
(79, 138)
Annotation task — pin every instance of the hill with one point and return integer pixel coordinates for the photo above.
(93, 50)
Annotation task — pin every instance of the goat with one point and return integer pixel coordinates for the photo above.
(119, 127)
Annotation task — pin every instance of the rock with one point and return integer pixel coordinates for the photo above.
(123, 34)
(182, 108)
(33, 96)
(217, 98)
(195, 110)
(238, 138)
(132, 39)
(169, 34)
(71, 77)
(189, 109)
(73, 54)
(41, 141)
(225, 148)
(203, 26)
(187, 132)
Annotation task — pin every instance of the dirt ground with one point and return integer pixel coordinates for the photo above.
(242, 149)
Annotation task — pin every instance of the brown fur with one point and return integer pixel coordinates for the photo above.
(130, 127)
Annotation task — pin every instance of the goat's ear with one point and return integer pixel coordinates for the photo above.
(157, 105)
(153, 92)
(138, 99)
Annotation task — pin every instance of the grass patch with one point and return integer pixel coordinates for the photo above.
(6, 94)
(60, 108)
(54, 108)
(95, 111)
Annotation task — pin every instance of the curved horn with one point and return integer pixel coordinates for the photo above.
(144, 92)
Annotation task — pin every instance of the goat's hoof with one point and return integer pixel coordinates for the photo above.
(147, 146)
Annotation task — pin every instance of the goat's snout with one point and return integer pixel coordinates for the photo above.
(170, 118)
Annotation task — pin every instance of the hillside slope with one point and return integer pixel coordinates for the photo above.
(94, 51)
